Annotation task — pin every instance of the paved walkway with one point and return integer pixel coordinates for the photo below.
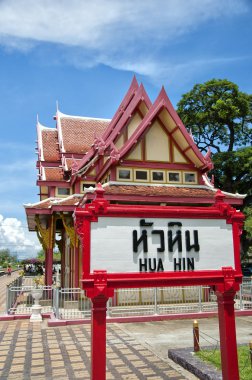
(36, 351)
(134, 350)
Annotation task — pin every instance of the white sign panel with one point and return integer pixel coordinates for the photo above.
(159, 244)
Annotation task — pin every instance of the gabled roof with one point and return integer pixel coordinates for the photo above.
(50, 205)
(162, 110)
(122, 107)
(48, 148)
(52, 174)
(77, 134)
(135, 95)
(99, 143)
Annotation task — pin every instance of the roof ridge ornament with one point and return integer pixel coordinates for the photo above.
(191, 134)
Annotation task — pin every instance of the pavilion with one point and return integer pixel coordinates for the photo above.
(143, 155)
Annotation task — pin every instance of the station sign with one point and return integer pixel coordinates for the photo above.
(135, 246)
(160, 244)
(175, 244)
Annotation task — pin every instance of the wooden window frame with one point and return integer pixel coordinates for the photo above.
(142, 180)
(124, 179)
(63, 195)
(158, 180)
(190, 182)
(174, 172)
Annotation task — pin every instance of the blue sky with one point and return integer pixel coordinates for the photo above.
(84, 54)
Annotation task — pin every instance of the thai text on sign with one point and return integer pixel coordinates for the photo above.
(160, 244)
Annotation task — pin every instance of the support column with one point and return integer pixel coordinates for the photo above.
(76, 267)
(49, 266)
(46, 236)
(228, 344)
(99, 295)
(225, 297)
(98, 338)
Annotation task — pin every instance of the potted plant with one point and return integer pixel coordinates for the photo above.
(37, 291)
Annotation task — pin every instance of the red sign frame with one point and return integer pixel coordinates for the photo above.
(100, 285)
(101, 207)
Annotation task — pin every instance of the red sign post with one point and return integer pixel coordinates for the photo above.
(136, 246)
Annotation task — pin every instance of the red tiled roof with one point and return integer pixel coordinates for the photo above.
(72, 200)
(70, 162)
(50, 146)
(156, 191)
(53, 174)
(79, 134)
(43, 204)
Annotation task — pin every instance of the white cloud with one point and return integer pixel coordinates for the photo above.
(96, 23)
(15, 236)
(115, 33)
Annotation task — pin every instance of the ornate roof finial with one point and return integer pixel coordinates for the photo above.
(57, 106)
(190, 133)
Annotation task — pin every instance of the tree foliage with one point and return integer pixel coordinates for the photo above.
(233, 170)
(41, 256)
(218, 114)
(248, 222)
(6, 257)
(220, 117)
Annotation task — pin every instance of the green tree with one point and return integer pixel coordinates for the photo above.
(220, 116)
(233, 170)
(6, 257)
(41, 255)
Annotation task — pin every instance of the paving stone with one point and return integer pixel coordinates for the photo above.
(34, 351)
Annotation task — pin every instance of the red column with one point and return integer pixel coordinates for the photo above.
(98, 330)
(62, 271)
(228, 345)
(76, 268)
(48, 266)
(99, 295)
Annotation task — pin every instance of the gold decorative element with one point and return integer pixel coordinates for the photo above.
(46, 236)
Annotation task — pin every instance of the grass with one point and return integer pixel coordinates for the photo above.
(213, 357)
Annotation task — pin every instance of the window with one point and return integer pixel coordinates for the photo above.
(174, 177)
(189, 177)
(63, 191)
(157, 176)
(141, 175)
(124, 174)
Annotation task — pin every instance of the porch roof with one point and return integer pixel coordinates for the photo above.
(131, 194)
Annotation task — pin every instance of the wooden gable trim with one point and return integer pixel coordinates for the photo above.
(206, 164)
(140, 95)
(123, 106)
(119, 113)
(143, 126)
